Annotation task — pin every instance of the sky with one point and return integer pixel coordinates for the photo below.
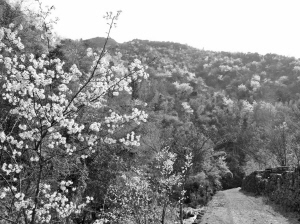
(263, 26)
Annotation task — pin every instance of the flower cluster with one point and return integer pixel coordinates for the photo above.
(11, 37)
(165, 162)
(187, 108)
(131, 139)
(242, 88)
(183, 87)
(255, 82)
(246, 111)
(137, 70)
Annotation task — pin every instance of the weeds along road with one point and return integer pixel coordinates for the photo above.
(236, 207)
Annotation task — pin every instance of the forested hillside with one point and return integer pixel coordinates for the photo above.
(95, 131)
(234, 99)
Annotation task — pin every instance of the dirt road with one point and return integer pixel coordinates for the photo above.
(235, 207)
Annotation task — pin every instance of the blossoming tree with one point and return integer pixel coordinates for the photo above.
(45, 135)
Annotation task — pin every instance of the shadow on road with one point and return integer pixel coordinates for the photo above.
(273, 208)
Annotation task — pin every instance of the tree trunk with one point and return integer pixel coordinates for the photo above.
(164, 213)
(135, 91)
(181, 213)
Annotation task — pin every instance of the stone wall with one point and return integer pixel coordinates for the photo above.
(281, 185)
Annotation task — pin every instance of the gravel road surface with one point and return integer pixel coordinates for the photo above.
(235, 207)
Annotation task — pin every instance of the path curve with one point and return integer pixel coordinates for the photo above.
(234, 207)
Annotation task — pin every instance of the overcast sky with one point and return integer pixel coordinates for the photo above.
(263, 26)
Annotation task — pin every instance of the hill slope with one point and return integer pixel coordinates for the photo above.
(241, 75)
